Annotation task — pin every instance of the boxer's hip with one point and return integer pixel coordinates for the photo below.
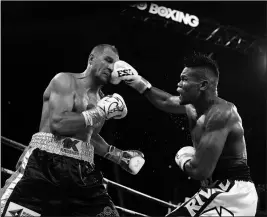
(64, 162)
(67, 146)
(51, 172)
(56, 158)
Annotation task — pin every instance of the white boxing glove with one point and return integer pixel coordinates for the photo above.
(107, 108)
(125, 72)
(184, 155)
(113, 106)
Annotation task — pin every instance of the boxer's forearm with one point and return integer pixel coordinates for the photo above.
(157, 97)
(68, 123)
(194, 171)
(100, 145)
(163, 100)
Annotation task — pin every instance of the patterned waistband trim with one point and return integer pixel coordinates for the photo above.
(66, 146)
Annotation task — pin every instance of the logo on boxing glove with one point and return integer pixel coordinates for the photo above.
(125, 72)
(121, 72)
(113, 106)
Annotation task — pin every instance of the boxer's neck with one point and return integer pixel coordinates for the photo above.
(204, 102)
(87, 80)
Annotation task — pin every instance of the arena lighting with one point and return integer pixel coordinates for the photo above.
(192, 25)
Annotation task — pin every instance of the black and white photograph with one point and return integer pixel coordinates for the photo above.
(127, 108)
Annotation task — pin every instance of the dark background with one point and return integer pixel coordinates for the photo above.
(40, 39)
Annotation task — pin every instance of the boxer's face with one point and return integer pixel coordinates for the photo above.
(103, 65)
(189, 86)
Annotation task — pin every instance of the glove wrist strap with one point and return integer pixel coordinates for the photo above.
(93, 116)
(142, 85)
(183, 161)
(114, 154)
(183, 166)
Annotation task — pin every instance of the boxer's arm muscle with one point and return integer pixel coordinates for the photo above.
(164, 101)
(210, 146)
(61, 102)
(100, 145)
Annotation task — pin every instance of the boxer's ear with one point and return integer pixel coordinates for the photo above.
(91, 58)
(204, 85)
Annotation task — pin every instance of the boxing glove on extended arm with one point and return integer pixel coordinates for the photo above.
(125, 72)
(107, 108)
(131, 160)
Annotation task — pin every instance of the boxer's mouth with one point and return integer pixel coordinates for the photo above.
(180, 91)
(107, 73)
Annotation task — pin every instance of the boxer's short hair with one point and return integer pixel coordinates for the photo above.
(202, 60)
(101, 47)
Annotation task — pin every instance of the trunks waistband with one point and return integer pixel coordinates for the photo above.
(66, 146)
(209, 183)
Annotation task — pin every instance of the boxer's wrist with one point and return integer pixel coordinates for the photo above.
(142, 85)
(114, 154)
(147, 90)
(93, 116)
(183, 162)
(186, 164)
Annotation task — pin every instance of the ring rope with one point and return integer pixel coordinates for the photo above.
(12, 143)
(140, 194)
(21, 147)
(130, 211)
(4, 170)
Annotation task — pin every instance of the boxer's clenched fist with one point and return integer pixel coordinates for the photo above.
(125, 72)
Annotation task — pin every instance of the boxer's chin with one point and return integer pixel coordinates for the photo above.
(183, 101)
(104, 79)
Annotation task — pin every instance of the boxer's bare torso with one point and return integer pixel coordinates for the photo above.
(222, 115)
(235, 145)
(76, 99)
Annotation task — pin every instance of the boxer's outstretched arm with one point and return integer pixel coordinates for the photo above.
(61, 101)
(159, 98)
(211, 144)
(164, 101)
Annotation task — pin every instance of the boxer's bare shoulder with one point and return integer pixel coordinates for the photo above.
(58, 96)
(222, 114)
(61, 82)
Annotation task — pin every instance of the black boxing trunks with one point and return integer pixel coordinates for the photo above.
(56, 178)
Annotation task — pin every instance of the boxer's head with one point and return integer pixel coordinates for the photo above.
(101, 62)
(199, 78)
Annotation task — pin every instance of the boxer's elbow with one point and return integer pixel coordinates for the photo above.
(59, 124)
(56, 124)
